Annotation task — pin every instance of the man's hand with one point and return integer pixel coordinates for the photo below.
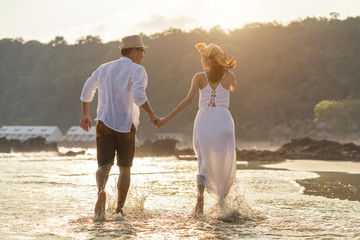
(85, 122)
(153, 119)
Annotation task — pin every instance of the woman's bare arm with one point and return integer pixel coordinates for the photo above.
(184, 103)
(233, 82)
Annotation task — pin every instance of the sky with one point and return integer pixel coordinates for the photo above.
(43, 20)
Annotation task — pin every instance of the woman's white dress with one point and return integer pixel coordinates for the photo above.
(214, 141)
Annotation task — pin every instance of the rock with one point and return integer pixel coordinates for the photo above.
(320, 149)
(304, 148)
(185, 154)
(5, 145)
(163, 147)
(296, 145)
(72, 153)
(259, 155)
(37, 144)
(15, 144)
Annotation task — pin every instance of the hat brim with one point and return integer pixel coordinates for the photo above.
(133, 47)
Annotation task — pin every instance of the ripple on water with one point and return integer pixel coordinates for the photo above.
(263, 204)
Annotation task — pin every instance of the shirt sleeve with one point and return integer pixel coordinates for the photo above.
(139, 84)
(89, 88)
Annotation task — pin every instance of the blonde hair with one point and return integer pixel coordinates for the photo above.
(216, 55)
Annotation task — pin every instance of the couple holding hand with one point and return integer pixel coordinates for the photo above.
(121, 88)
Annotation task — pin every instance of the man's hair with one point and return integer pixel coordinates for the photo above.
(126, 51)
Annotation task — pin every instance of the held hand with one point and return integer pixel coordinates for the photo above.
(162, 122)
(85, 122)
(153, 119)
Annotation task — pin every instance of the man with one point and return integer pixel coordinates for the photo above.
(121, 90)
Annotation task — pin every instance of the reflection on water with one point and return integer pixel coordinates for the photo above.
(44, 196)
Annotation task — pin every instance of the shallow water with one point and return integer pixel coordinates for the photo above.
(44, 196)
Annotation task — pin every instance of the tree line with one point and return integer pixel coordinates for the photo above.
(283, 73)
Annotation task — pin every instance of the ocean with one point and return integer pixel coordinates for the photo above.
(46, 196)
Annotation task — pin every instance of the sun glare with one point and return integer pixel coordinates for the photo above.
(229, 15)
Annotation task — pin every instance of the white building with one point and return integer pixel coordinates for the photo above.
(77, 134)
(50, 133)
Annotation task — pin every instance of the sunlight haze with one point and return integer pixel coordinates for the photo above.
(110, 19)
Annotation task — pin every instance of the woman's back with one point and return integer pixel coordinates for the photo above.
(214, 94)
(226, 82)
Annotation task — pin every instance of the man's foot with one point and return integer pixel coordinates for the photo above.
(199, 208)
(119, 210)
(100, 205)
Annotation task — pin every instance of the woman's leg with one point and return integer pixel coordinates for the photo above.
(199, 208)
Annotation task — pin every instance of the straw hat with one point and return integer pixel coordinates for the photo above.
(212, 51)
(133, 41)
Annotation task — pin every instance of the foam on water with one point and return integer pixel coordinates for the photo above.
(235, 209)
(138, 222)
(135, 199)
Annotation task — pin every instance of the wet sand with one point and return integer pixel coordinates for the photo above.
(318, 166)
(333, 185)
(337, 179)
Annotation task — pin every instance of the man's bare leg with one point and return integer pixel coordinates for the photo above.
(199, 208)
(102, 175)
(123, 187)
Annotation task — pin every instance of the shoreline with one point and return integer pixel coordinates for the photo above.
(345, 166)
(304, 148)
(335, 185)
(337, 179)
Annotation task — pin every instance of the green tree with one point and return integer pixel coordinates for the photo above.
(338, 117)
(283, 71)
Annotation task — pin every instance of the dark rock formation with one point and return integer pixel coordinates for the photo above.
(163, 147)
(304, 148)
(260, 155)
(5, 145)
(185, 154)
(72, 153)
(37, 144)
(307, 148)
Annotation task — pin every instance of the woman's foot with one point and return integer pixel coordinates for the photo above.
(100, 205)
(199, 208)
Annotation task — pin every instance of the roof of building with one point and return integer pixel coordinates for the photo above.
(50, 133)
(28, 129)
(79, 131)
(77, 134)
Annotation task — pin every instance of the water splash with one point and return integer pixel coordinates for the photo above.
(235, 209)
(135, 199)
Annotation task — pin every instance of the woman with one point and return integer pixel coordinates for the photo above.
(213, 136)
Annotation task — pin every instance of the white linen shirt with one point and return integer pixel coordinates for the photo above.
(121, 88)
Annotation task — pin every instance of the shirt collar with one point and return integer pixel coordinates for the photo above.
(126, 59)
